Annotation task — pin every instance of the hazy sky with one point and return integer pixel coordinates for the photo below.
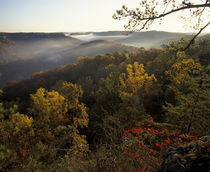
(69, 16)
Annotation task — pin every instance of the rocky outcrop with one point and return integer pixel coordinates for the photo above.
(193, 157)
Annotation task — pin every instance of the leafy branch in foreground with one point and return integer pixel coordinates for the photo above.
(151, 10)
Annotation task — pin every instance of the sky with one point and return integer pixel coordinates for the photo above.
(71, 16)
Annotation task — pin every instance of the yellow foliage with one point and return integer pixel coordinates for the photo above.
(136, 78)
(48, 104)
(16, 135)
(22, 121)
(135, 85)
(182, 70)
(59, 114)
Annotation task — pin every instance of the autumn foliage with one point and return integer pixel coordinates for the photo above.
(143, 145)
(51, 131)
(114, 112)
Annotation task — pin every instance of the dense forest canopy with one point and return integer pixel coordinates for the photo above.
(79, 111)
(22, 54)
(117, 111)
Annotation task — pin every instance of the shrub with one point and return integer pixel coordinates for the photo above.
(143, 145)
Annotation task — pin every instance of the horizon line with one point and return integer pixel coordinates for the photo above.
(98, 31)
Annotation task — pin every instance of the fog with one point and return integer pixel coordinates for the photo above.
(151, 39)
(45, 49)
(26, 57)
(93, 37)
(36, 52)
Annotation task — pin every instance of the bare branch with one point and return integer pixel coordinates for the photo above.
(144, 25)
(144, 18)
(193, 39)
(203, 9)
(189, 6)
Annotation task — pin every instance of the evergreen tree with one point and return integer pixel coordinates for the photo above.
(190, 86)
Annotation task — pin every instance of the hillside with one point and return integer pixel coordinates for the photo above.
(24, 46)
(22, 54)
(37, 52)
(96, 47)
(89, 64)
(110, 112)
(148, 39)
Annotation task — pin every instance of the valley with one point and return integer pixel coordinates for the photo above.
(22, 54)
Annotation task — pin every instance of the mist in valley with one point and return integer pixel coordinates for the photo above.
(22, 54)
(21, 58)
(150, 39)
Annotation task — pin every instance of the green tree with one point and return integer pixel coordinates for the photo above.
(134, 86)
(17, 138)
(58, 116)
(107, 95)
(189, 84)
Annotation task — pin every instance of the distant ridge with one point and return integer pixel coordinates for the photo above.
(32, 36)
(21, 54)
(146, 39)
(34, 52)
(101, 42)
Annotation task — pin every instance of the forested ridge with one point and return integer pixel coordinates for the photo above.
(112, 112)
(22, 54)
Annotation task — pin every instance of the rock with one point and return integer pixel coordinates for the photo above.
(192, 157)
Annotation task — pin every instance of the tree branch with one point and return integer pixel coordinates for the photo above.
(173, 11)
(145, 21)
(148, 19)
(192, 40)
(144, 25)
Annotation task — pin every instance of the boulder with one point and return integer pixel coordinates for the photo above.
(191, 157)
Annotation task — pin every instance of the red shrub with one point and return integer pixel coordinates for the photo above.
(142, 145)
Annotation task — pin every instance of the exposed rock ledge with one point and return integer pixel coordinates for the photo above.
(193, 157)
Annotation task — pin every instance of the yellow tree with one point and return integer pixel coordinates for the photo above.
(17, 136)
(134, 85)
(58, 116)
